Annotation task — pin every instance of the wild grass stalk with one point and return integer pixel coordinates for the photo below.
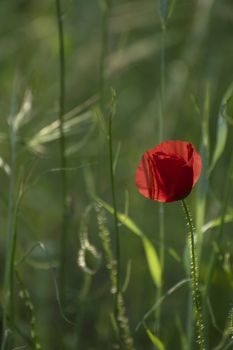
(8, 290)
(62, 144)
(9, 315)
(106, 11)
(124, 333)
(114, 204)
(106, 8)
(161, 136)
(162, 79)
(26, 298)
(203, 184)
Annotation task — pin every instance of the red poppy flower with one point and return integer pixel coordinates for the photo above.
(168, 172)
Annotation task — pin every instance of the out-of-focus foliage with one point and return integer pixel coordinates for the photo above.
(198, 57)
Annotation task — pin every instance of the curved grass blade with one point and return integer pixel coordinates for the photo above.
(150, 251)
(217, 221)
(5, 167)
(166, 9)
(203, 183)
(222, 127)
(155, 340)
(51, 132)
(160, 301)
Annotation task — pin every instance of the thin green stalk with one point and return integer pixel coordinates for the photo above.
(83, 301)
(104, 50)
(63, 160)
(107, 4)
(161, 207)
(10, 272)
(195, 279)
(162, 81)
(123, 332)
(112, 181)
(8, 310)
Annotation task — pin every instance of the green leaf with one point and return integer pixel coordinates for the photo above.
(217, 221)
(5, 167)
(76, 121)
(37, 257)
(202, 187)
(171, 8)
(220, 140)
(127, 276)
(158, 302)
(150, 251)
(123, 218)
(152, 261)
(228, 102)
(166, 9)
(174, 254)
(51, 132)
(42, 264)
(116, 157)
(222, 127)
(155, 340)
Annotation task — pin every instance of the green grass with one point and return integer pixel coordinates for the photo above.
(73, 227)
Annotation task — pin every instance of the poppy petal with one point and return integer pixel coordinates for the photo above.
(169, 171)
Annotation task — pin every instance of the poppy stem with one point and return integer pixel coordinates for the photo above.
(195, 279)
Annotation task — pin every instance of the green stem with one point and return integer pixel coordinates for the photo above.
(195, 279)
(63, 160)
(161, 207)
(112, 180)
(104, 51)
(107, 4)
(162, 82)
(8, 310)
(118, 306)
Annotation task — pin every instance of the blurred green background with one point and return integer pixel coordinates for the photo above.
(198, 63)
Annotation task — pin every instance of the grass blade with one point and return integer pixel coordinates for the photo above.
(217, 222)
(155, 340)
(222, 128)
(150, 251)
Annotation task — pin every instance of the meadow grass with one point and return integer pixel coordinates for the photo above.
(86, 262)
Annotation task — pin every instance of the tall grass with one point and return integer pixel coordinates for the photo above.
(162, 118)
(174, 57)
(62, 146)
(11, 237)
